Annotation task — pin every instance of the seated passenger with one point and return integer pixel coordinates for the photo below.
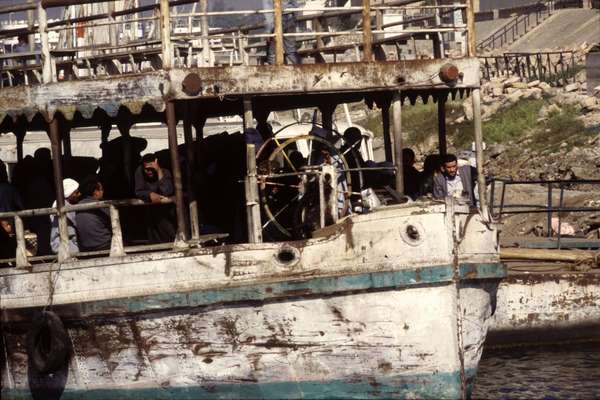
(455, 181)
(153, 184)
(72, 196)
(9, 201)
(411, 175)
(431, 167)
(93, 226)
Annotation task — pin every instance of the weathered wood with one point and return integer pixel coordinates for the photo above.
(191, 162)
(576, 256)
(482, 188)
(252, 199)
(471, 45)
(366, 31)
(278, 25)
(182, 226)
(441, 108)
(116, 244)
(398, 143)
(21, 253)
(46, 58)
(63, 249)
(165, 35)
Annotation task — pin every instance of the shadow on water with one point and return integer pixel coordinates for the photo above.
(550, 372)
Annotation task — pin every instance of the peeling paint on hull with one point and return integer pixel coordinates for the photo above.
(546, 307)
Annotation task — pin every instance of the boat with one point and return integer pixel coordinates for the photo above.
(392, 301)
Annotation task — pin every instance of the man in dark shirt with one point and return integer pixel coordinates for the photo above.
(93, 226)
(154, 184)
(9, 201)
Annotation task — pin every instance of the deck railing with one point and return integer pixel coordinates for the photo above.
(498, 210)
(129, 41)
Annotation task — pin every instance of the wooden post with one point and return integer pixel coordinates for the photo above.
(442, 124)
(471, 28)
(205, 62)
(181, 221)
(20, 132)
(252, 201)
(46, 59)
(21, 253)
(65, 137)
(112, 28)
(476, 96)
(248, 118)
(63, 249)
(397, 129)
(278, 22)
(367, 33)
(189, 145)
(30, 26)
(165, 34)
(116, 244)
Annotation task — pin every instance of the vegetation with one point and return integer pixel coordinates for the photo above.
(518, 123)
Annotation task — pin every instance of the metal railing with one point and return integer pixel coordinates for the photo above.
(129, 41)
(517, 27)
(555, 67)
(549, 208)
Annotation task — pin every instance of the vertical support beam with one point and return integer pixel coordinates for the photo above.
(65, 137)
(327, 111)
(21, 253)
(19, 133)
(63, 249)
(191, 161)
(116, 244)
(278, 21)
(112, 28)
(438, 39)
(367, 33)
(30, 26)
(441, 103)
(199, 123)
(176, 169)
(165, 34)
(252, 202)
(387, 137)
(476, 96)
(471, 28)
(205, 62)
(46, 59)
(397, 129)
(248, 118)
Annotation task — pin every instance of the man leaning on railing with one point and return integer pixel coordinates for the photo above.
(289, 26)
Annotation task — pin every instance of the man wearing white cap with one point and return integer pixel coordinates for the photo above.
(72, 196)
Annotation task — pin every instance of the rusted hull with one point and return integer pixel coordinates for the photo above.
(362, 310)
(547, 307)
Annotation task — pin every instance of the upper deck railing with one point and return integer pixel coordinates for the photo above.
(159, 36)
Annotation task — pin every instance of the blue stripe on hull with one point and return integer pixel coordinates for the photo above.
(435, 386)
(314, 286)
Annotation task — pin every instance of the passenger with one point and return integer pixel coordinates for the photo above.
(93, 226)
(455, 181)
(289, 26)
(411, 175)
(431, 167)
(9, 201)
(154, 184)
(72, 196)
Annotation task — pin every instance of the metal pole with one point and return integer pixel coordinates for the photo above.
(476, 97)
(165, 35)
(205, 62)
(397, 129)
(172, 128)
(63, 249)
(189, 144)
(367, 33)
(442, 124)
(471, 28)
(549, 210)
(46, 60)
(252, 202)
(248, 118)
(278, 21)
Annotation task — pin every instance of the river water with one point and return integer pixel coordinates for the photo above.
(557, 372)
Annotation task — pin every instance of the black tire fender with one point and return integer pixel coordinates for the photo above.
(47, 343)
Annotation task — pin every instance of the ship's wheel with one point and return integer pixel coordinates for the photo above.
(289, 186)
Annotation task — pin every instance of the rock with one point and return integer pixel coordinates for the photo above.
(533, 93)
(581, 77)
(514, 96)
(495, 150)
(533, 83)
(585, 173)
(546, 111)
(496, 91)
(519, 85)
(572, 87)
(596, 91)
(467, 107)
(588, 102)
(510, 81)
(547, 89)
